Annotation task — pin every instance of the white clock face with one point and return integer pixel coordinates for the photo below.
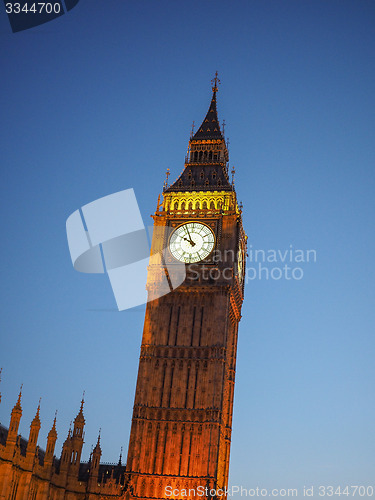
(191, 242)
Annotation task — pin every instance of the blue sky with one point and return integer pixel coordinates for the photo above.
(102, 99)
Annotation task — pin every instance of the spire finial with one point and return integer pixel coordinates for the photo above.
(167, 173)
(215, 82)
(120, 459)
(223, 127)
(192, 130)
(233, 171)
(82, 402)
(18, 404)
(54, 421)
(38, 409)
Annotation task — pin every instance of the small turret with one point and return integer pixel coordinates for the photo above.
(14, 421)
(96, 454)
(77, 441)
(34, 433)
(94, 468)
(51, 441)
(66, 452)
(79, 422)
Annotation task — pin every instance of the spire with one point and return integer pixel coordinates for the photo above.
(206, 163)
(210, 128)
(80, 419)
(17, 407)
(36, 419)
(15, 418)
(33, 436)
(97, 447)
(53, 432)
(51, 441)
(96, 454)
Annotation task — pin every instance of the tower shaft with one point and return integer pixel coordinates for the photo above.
(182, 418)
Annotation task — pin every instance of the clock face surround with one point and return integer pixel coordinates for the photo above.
(191, 242)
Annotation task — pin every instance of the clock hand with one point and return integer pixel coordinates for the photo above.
(191, 241)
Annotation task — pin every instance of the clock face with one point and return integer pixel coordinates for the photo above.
(191, 242)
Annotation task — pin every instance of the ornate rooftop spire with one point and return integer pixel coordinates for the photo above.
(206, 163)
(53, 432)
(210, 128)
(120, 458)
(97, 448)
(36, 419)
(80, 417)
(17, 406)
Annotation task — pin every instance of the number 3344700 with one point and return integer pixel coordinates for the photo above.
(34, 8)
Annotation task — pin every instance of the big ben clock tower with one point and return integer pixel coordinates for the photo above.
(182, 418)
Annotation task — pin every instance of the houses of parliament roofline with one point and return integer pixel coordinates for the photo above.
(28, 471)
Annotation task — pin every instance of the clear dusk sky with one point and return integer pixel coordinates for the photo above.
(102, 99)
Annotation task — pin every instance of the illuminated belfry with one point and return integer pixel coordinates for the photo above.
(182, 418)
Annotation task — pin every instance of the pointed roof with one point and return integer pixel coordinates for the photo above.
(36, 420)
(53, 432)
(210, 128)
(206, 164)
(17, 407)
(80, 418)
(120, 458)
(97, 449)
